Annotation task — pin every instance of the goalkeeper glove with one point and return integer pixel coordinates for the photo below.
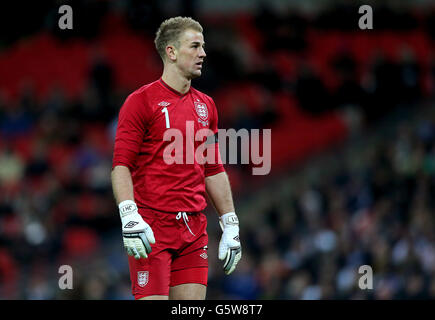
(136, 233)
(229, 246)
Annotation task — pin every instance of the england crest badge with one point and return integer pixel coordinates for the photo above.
(202, 112)
(142, 278)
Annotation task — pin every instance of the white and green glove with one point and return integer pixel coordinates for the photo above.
(136, 233)
(229, 246)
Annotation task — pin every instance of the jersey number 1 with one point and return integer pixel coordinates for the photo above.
(165, 111)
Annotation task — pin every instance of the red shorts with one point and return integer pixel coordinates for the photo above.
(178, 256)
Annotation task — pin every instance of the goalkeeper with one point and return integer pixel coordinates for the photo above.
(160, 203)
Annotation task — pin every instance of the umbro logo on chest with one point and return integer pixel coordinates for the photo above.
(164, 104)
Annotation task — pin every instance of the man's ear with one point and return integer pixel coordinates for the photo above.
(171, 53)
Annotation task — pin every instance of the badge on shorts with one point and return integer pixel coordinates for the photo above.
(142, 278)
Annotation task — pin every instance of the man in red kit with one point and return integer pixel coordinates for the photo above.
(161, 205)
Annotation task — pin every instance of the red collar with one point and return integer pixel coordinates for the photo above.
(173, 90)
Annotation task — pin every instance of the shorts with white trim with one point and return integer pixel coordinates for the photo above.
(179, 255)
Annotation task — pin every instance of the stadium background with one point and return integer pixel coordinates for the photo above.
(353, 158)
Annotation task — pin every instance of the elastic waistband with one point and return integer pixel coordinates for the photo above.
(170, 212)
(188, 213)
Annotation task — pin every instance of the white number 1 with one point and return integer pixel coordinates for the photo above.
(165, 111)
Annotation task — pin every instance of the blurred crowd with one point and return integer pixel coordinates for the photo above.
(370, 203)
(304, 235)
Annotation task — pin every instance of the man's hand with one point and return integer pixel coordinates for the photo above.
(136, 233)
(229, 246)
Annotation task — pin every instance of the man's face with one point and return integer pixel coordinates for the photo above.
(190, 53)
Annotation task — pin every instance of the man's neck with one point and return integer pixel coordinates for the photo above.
(175, 80)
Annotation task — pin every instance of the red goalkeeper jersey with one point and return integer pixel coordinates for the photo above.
(144, 118)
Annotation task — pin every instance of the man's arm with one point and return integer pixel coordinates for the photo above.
(122, 184)
(219, 191)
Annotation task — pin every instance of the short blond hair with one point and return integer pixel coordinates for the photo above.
(170, 30)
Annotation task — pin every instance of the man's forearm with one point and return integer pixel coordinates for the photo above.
(219, 190)
(122, 184)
